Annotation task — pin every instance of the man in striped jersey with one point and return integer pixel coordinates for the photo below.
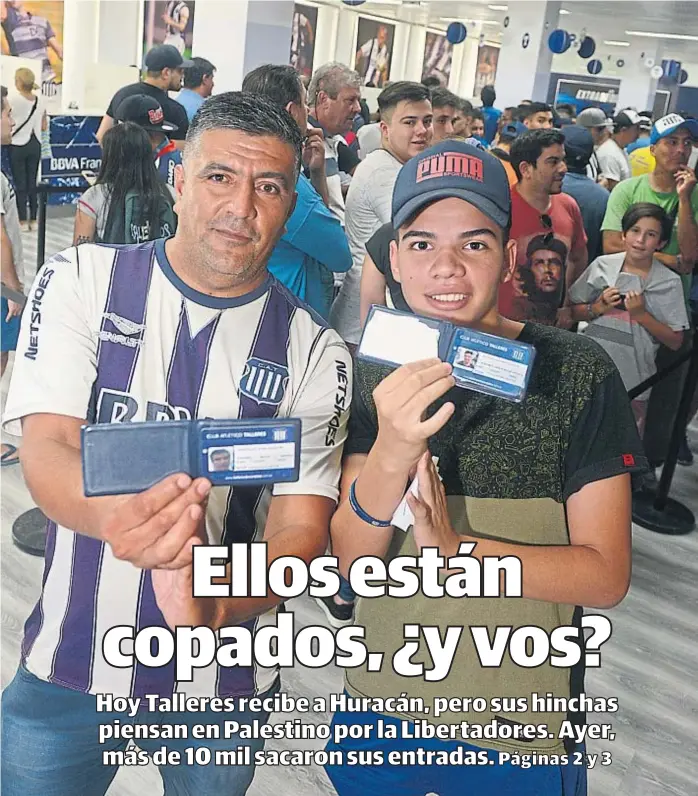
(177, 328)
(30, 36)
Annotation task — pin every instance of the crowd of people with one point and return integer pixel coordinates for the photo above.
(262, 227)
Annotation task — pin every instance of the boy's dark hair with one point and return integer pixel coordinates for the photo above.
(526, 111)
(3, 95)
(280, 83)
(401, 91)
(528, 147)
(253, 114)
(431, 82)
(476, 113)
(488, 96)
(194, 75)
(648, 210)
(443, 98)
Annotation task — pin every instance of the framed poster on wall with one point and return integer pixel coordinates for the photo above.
(486, 70)
(168, 22)
(438, 55)
(374, 51)
(303, 32)
(583, 94)
(34, 31)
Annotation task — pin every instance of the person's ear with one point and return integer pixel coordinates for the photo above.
(178, 184)
(509, 262)
(393, 259)
(384, 129)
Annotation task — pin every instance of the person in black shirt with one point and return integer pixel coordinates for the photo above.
(165, 72)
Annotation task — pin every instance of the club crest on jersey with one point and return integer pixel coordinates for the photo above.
(264, 382)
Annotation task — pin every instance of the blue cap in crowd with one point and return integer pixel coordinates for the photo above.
(668, 124)
(511, 131)
(452, 169)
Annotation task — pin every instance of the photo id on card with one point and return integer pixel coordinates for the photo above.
(126, 458)
(481, 362)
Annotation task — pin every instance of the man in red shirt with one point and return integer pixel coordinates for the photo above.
(548, 229)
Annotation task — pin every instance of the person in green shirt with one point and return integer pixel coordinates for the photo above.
(671, 186)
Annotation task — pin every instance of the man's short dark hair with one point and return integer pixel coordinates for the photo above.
(443, 98)
(220, 451)
(431, 82)
(648, 210)
(465, 107)
(280, 83)
(401, 91)
(194, 75)
(566, 109)
(253, 114)
(3, 95)
(526, 111)
(488, 96)
(528, 147)
(476, 113)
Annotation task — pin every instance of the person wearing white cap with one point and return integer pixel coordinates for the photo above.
(612, 156)
(672, 185)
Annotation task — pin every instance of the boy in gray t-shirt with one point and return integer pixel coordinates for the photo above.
(632, 302)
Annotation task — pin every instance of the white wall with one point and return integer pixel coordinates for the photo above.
(120, 23)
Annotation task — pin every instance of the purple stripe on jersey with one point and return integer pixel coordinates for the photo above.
(185, 381)
(36, 620)
(121, 335)
(270, 345)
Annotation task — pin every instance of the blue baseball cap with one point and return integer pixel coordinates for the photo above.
(668, 124)
(452, 169)
(512, 130)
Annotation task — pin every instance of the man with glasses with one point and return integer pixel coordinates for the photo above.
(541, 211)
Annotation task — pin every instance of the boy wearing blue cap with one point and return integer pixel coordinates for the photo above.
(547, 481)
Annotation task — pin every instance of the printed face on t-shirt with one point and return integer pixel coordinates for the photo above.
(539, 278)
(546, 267)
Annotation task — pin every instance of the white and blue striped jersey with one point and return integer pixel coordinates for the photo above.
(111, 335)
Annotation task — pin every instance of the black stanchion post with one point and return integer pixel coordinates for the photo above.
(41, 238)
(659, 512)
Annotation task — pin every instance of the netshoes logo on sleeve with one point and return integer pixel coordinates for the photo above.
(450, 164)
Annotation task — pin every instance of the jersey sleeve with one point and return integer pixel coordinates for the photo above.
(90, 203)
(322, 404)
(618, 203)
(604, 441)
(56, 360)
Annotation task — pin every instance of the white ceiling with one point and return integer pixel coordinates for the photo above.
(601, 19)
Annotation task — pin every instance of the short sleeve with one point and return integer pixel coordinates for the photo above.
(604, 441)
(582, 292)
(56, 361)
(363, 427)
(50, 33)
(378, 247)
(618, 203)
(177, 115)
(668, 305)
(322, 404)
(90, 203)
(114, 104)
(579, 241)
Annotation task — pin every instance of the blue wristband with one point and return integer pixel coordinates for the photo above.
(361, 514)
